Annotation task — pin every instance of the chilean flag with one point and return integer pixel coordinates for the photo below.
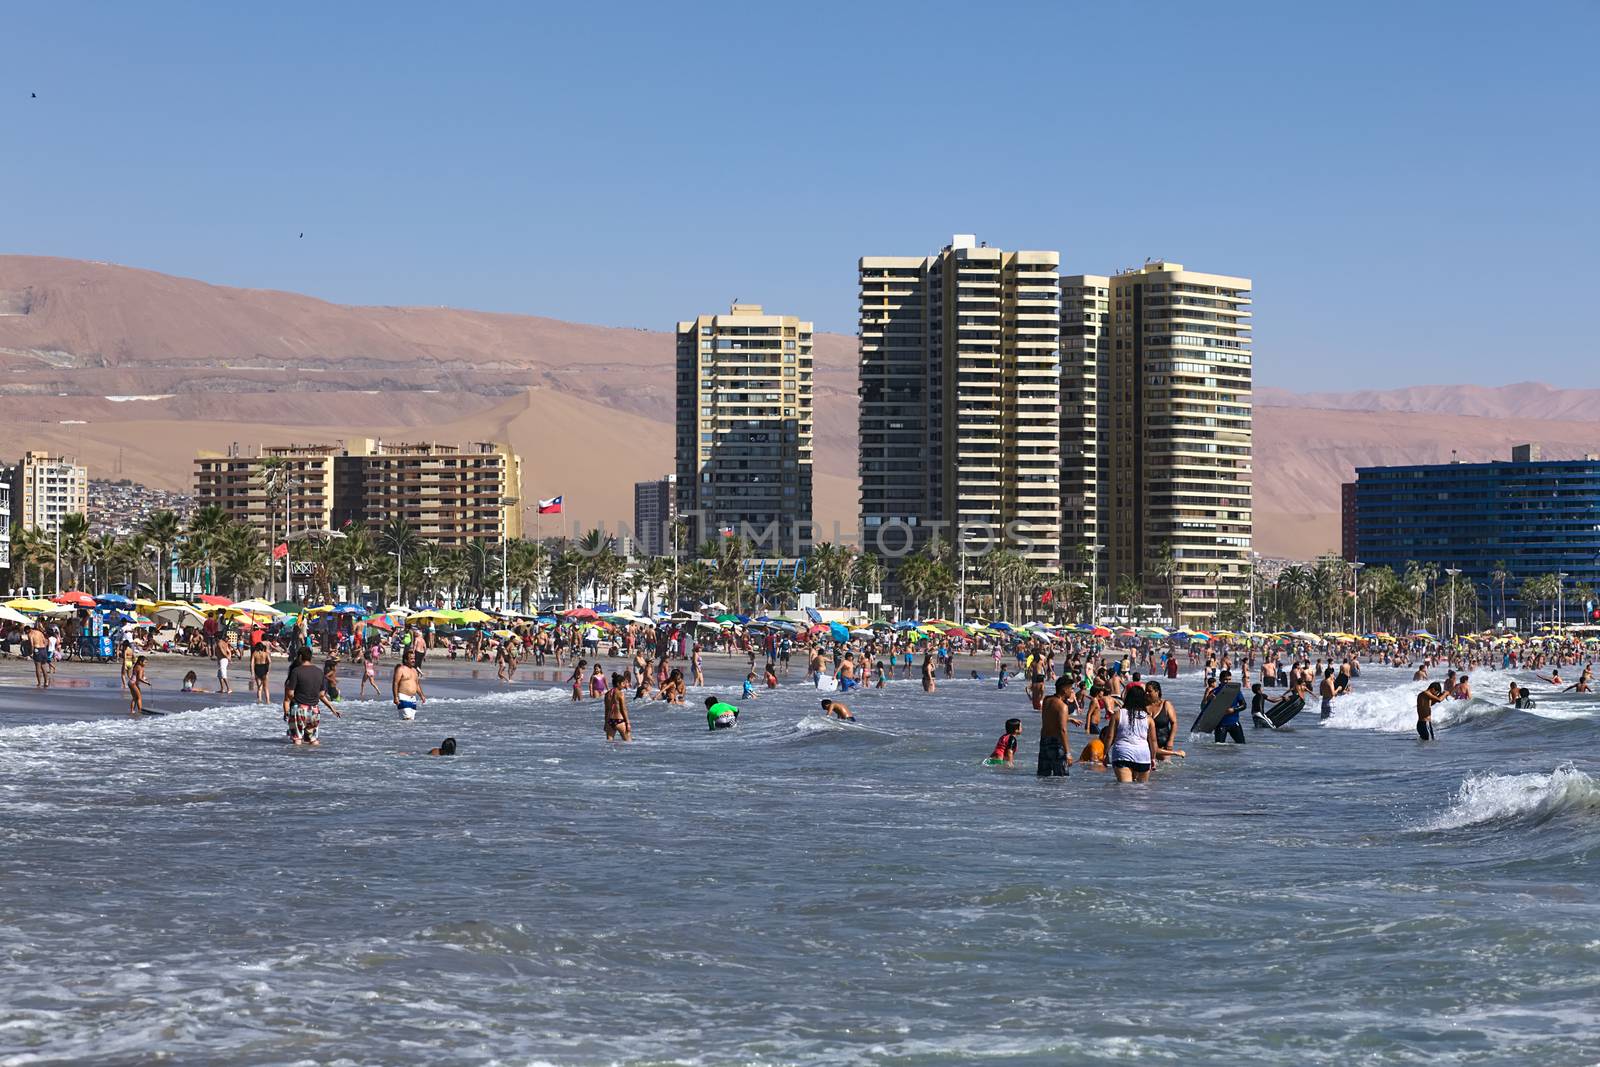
(551, 506)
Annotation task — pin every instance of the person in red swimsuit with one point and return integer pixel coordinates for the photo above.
(1006, 748)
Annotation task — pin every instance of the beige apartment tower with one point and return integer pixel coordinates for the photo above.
(1176, 418)
(744, 439)
(448, 494)
(960, 391)
(46, 489)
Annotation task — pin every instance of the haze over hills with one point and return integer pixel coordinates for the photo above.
(102, 361)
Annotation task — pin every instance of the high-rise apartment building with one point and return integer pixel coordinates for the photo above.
(655, 506)
(960, 391)
(1177, 434)
(278, 488)
(1085, 325)
(5, 521)
(449, 494)
(744, 427)
(45, 489)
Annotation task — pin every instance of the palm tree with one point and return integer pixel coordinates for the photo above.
(867, 573)
(162, 529)
(350, 555)
(1129, 587)
(205, 527)
(75, 544)
(1498, 575)
(1164, 565)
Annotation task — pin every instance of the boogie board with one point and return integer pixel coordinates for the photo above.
(827, 683)
(994, 761)
(1219, 705)
(1279, 714)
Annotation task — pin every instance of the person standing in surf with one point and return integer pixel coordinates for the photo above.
(304, 697)
(1426, 699)
(1054, 755)
(405, 687)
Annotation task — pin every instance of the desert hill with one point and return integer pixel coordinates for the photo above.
(112, 363)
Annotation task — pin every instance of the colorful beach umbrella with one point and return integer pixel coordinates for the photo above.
(74, 599)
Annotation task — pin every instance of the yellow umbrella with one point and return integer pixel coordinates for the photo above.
(472, 616)
(23, 603)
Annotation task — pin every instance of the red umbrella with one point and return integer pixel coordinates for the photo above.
(1101, 631)
(956, 631)
(579, 613)
(74, 599)
(218, 601)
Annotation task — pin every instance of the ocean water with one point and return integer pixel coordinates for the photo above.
(192, 889)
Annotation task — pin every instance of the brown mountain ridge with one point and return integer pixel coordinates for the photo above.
(119, 365)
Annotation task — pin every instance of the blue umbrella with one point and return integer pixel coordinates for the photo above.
(349, 609)
(999, 626)
(814, 615)
(839, 632)
(114, 600)
(906, 624)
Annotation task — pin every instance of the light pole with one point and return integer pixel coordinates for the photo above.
(1454, 573)
(1355, 601)
(355, 582)
(58, 553)
(289, 484)
(1094, 582)
(505, 540)
(428, 571)
(1561, 615)
(397, 562)
(1255, 561)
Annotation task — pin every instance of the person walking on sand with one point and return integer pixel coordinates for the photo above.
(224, 656)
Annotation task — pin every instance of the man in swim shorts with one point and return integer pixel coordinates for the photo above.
(304, 697)
(1426, 699)
(1053, 756)
(405, 687)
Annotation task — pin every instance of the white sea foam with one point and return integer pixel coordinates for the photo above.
(1487, 798)
(1394, 709)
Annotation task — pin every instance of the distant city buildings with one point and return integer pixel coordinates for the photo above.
(744, 427)
(120, 507)
(655, 507)
(1535, 517)
(448, 494)
(45, 489)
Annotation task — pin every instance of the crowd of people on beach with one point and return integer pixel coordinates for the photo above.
(1108, 688)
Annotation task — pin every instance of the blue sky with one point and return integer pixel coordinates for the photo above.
(1412, 186)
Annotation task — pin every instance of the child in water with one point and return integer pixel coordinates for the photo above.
(1005, 749)
(749, 687)
(1004, 675)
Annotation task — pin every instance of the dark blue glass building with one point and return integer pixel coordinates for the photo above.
(1537, 516)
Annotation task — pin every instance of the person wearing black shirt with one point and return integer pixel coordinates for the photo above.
(304, 696)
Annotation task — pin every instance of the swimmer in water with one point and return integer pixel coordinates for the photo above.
(836, 710)
(447, 747)
(1005, 749)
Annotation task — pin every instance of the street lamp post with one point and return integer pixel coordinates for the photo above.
(1255, 561)
(1094, 583)
(1454, 573)
(1561, 615)
(398, 561)
(1355, 598)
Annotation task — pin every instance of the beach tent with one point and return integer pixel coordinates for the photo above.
(257, 607)
(178, 615)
